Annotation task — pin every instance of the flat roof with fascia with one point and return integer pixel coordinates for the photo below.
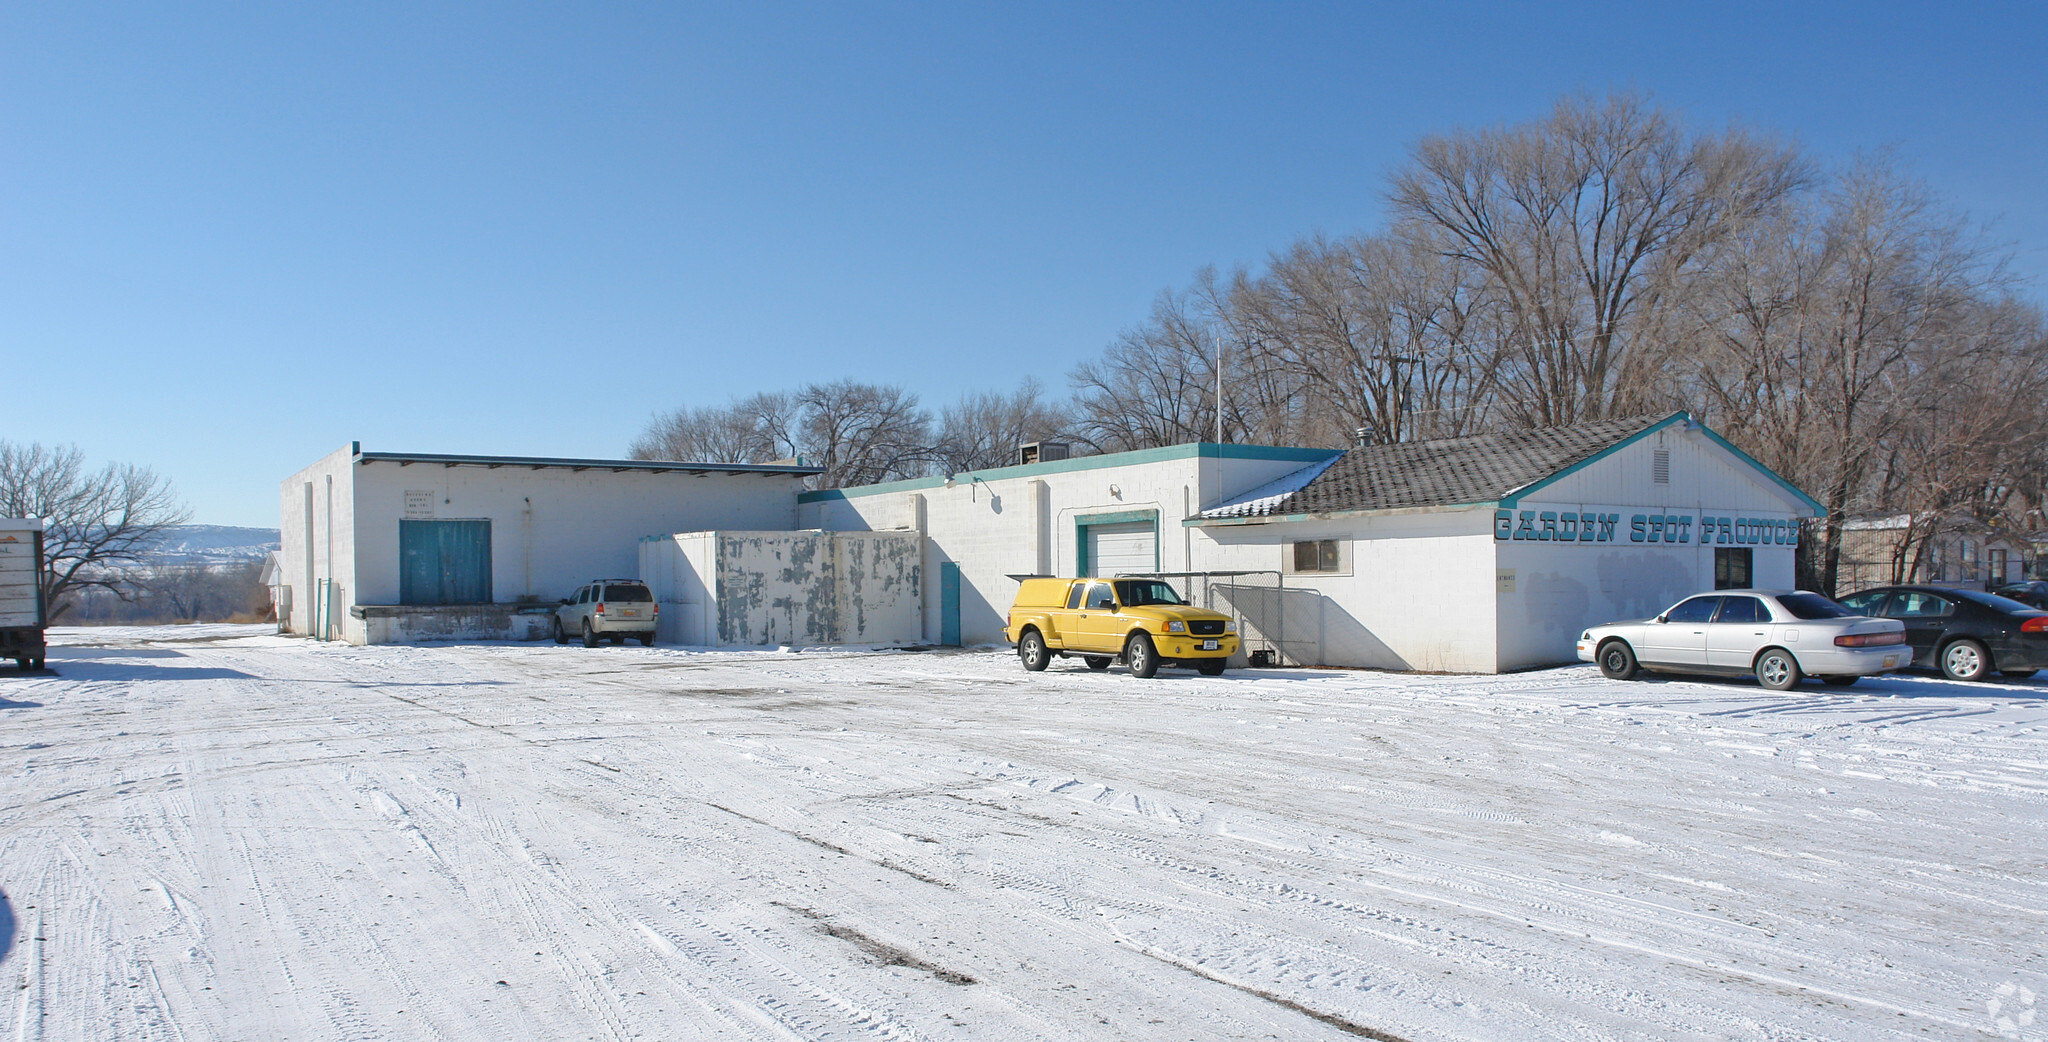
(406, 459)
(1188, 450)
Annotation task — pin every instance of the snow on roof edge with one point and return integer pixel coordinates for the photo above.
(1269, 495)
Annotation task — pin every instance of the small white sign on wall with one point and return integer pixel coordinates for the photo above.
(419, 504)
(1504, 580)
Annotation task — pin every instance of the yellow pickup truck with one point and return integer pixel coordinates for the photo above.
(1142, 621)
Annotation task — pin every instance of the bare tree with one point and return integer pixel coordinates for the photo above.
(756, 429)
(1835, 333)
(862, 433)
(984, 429)
(1157, 384)
(1388, 338)
(1588, 224)
(93, 521)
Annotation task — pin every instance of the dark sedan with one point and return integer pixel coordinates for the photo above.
(2033, 593)
(1964, 633)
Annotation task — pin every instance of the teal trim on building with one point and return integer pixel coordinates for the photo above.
(1818, 509)
(1117, 518)
(1192, 450)
(1515, 497)
(1680, 417)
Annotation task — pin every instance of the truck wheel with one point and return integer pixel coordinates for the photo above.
(1212, 668)
(1098, 663)
(1142, 656)
(1841, 681)
(589, 637)
(1777, 669)
(1031, 651)
(647, 640)
(22, 664)
(560, 637)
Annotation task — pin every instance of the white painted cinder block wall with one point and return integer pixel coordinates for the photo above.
(316, 533)
(1023, 520)
(1560, 588)
(552, 528)
(1415, 592)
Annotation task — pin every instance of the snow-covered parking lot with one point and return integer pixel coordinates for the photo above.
(213, 833)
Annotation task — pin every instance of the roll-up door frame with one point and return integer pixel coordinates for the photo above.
(1121, 517)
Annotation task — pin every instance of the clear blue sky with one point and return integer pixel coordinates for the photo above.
(236, 237)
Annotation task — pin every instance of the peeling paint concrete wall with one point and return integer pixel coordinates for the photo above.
(747, 589)
(774, 588)
(878, 580)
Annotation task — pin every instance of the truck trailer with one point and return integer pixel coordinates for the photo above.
(22, 612)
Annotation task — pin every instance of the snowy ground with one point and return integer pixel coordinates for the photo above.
(212, 833)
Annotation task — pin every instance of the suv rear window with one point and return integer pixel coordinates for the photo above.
(627, 592)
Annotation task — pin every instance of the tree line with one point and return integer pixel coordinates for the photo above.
(1835, 321)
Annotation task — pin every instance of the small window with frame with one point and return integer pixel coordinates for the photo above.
(1734, 567)
(1319, 556)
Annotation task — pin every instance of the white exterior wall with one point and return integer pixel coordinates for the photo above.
(1559, 587)
(553, 528)
(316, 540)
(1415, 592)
(679, 570)
(1023, 520)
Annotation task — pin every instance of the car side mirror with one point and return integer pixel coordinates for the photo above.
(1661, 618)
(565, 601)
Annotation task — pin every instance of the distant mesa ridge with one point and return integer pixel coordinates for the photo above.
(210, 544)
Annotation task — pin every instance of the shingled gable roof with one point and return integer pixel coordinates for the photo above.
(1483, 468)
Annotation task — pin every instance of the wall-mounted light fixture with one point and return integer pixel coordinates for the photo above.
(1116, 492)
(972, 480)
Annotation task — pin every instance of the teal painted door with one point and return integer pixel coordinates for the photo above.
(949, 604)
(444, 562)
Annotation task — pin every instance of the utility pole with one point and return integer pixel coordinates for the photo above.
(1218, 338)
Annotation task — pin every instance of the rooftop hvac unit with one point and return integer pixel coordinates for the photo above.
(1043, 451)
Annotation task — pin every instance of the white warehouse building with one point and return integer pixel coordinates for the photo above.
(1480, 554)
(386, 547)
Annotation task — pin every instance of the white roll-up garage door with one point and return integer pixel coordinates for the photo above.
(1131, 546)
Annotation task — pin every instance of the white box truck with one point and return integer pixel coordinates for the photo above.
(21, 594)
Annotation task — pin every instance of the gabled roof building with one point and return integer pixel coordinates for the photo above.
(1478, 554)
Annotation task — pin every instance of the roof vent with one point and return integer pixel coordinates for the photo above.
(1361, 437)
(1660, 466)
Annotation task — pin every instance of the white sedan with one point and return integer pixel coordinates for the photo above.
(1778, 635)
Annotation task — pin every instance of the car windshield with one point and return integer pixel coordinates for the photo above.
(629, 592)
(1134, 592)
(1994, 601)
(1813, 606)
